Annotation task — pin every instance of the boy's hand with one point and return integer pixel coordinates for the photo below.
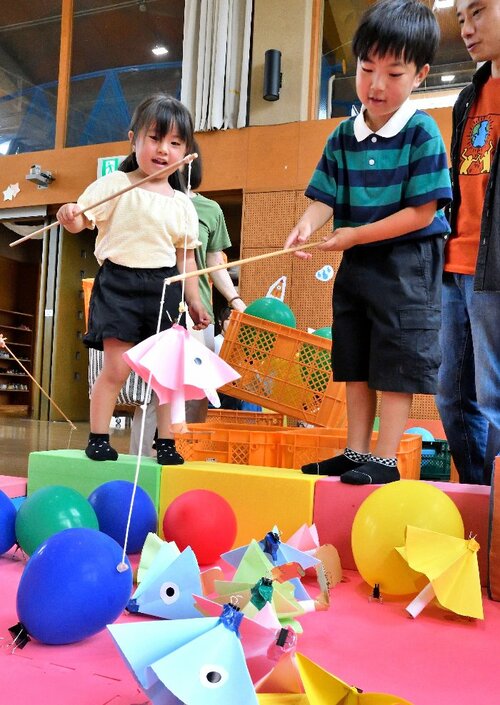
(342, 239)
(199, 316)
(299, 236)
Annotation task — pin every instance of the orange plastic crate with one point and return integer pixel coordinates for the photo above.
(283, 369)
(239, 444)
(234, 416)
(87, 285)
(309, 445)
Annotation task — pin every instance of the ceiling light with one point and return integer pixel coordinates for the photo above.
(448, 77)
(159, 50)
(442, 4)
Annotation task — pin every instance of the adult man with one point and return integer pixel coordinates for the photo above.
(469, 377)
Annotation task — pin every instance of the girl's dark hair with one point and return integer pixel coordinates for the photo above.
(196, 168)
(406, 28)
(165, 113)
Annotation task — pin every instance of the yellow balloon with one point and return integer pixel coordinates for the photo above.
(379, 526)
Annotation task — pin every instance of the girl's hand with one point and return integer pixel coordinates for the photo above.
(66, 214)
(70, 218)
(200, 317)
(342, 239)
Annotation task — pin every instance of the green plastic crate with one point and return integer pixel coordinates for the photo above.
(437, 466)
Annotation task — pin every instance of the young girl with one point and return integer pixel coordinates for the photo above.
(141, 241)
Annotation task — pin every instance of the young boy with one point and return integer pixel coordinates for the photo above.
(383, 176)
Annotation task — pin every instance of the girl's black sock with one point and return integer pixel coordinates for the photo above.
(98, 447)
(166, 452)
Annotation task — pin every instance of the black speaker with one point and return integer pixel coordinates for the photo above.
(272, 74)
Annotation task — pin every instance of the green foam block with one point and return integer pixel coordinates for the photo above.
(72, 468)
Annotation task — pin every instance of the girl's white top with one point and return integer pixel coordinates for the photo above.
(140, 228)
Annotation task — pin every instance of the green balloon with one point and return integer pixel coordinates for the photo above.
(325, 332)
(49, 510)
(316, 364)
(271, 309)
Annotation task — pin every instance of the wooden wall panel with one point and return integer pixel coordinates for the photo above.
(267, 158)
(268, 218)
(257, 277)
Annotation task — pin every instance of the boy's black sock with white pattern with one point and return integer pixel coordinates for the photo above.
(377, 471)
(339, 464)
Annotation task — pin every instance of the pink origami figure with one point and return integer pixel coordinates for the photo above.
(180, 368)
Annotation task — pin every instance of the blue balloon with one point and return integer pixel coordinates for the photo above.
(418, 431)
(7, 523)
(111, 503)
(71, 588)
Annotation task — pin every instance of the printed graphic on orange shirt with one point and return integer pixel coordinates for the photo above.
(477, 154)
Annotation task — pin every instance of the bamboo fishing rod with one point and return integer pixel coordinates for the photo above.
(166, 171)
(237, 263)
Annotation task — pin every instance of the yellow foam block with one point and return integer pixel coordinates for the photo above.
(261, 497)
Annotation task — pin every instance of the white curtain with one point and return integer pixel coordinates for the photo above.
(215, 62)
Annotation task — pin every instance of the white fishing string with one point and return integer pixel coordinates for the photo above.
(122, 566)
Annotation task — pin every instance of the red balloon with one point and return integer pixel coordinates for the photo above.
(203, 520)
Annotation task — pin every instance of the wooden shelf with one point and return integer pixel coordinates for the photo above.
(17, 328)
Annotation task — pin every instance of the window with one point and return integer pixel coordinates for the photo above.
(29, 64)
(452, 67)
(123, 50)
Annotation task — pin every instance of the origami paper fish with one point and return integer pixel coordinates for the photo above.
(150, 548)
(323, 688)
(192, 661)
(269, 649)
(284, 677)
(451, 565)
(252, 568)
(180, 368)
(167, 588)
(276, 551)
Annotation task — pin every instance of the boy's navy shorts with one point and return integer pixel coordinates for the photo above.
(125, 304)
(387, 316)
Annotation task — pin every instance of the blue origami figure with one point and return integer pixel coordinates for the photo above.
(191, 661)
(279, 553)
(168, 585)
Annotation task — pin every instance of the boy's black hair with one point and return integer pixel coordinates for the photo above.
(165, 113)
(406, 28)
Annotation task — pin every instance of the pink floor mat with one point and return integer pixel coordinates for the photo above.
(436, 659)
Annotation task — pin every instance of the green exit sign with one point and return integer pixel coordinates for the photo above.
(105, 165)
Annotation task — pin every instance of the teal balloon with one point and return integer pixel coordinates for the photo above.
(325, 332)
(417, 430)
(7, 523)
(49, 510)
(271, 309)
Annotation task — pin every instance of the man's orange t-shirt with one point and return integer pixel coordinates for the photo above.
(479, 142)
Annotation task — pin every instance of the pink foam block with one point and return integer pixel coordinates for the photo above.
(13, 486)
(336, 504)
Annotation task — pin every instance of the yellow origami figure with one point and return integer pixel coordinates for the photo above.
(451, 566)
(281, 699)
(322, 688)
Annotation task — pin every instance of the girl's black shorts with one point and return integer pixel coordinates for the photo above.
(125, 304)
